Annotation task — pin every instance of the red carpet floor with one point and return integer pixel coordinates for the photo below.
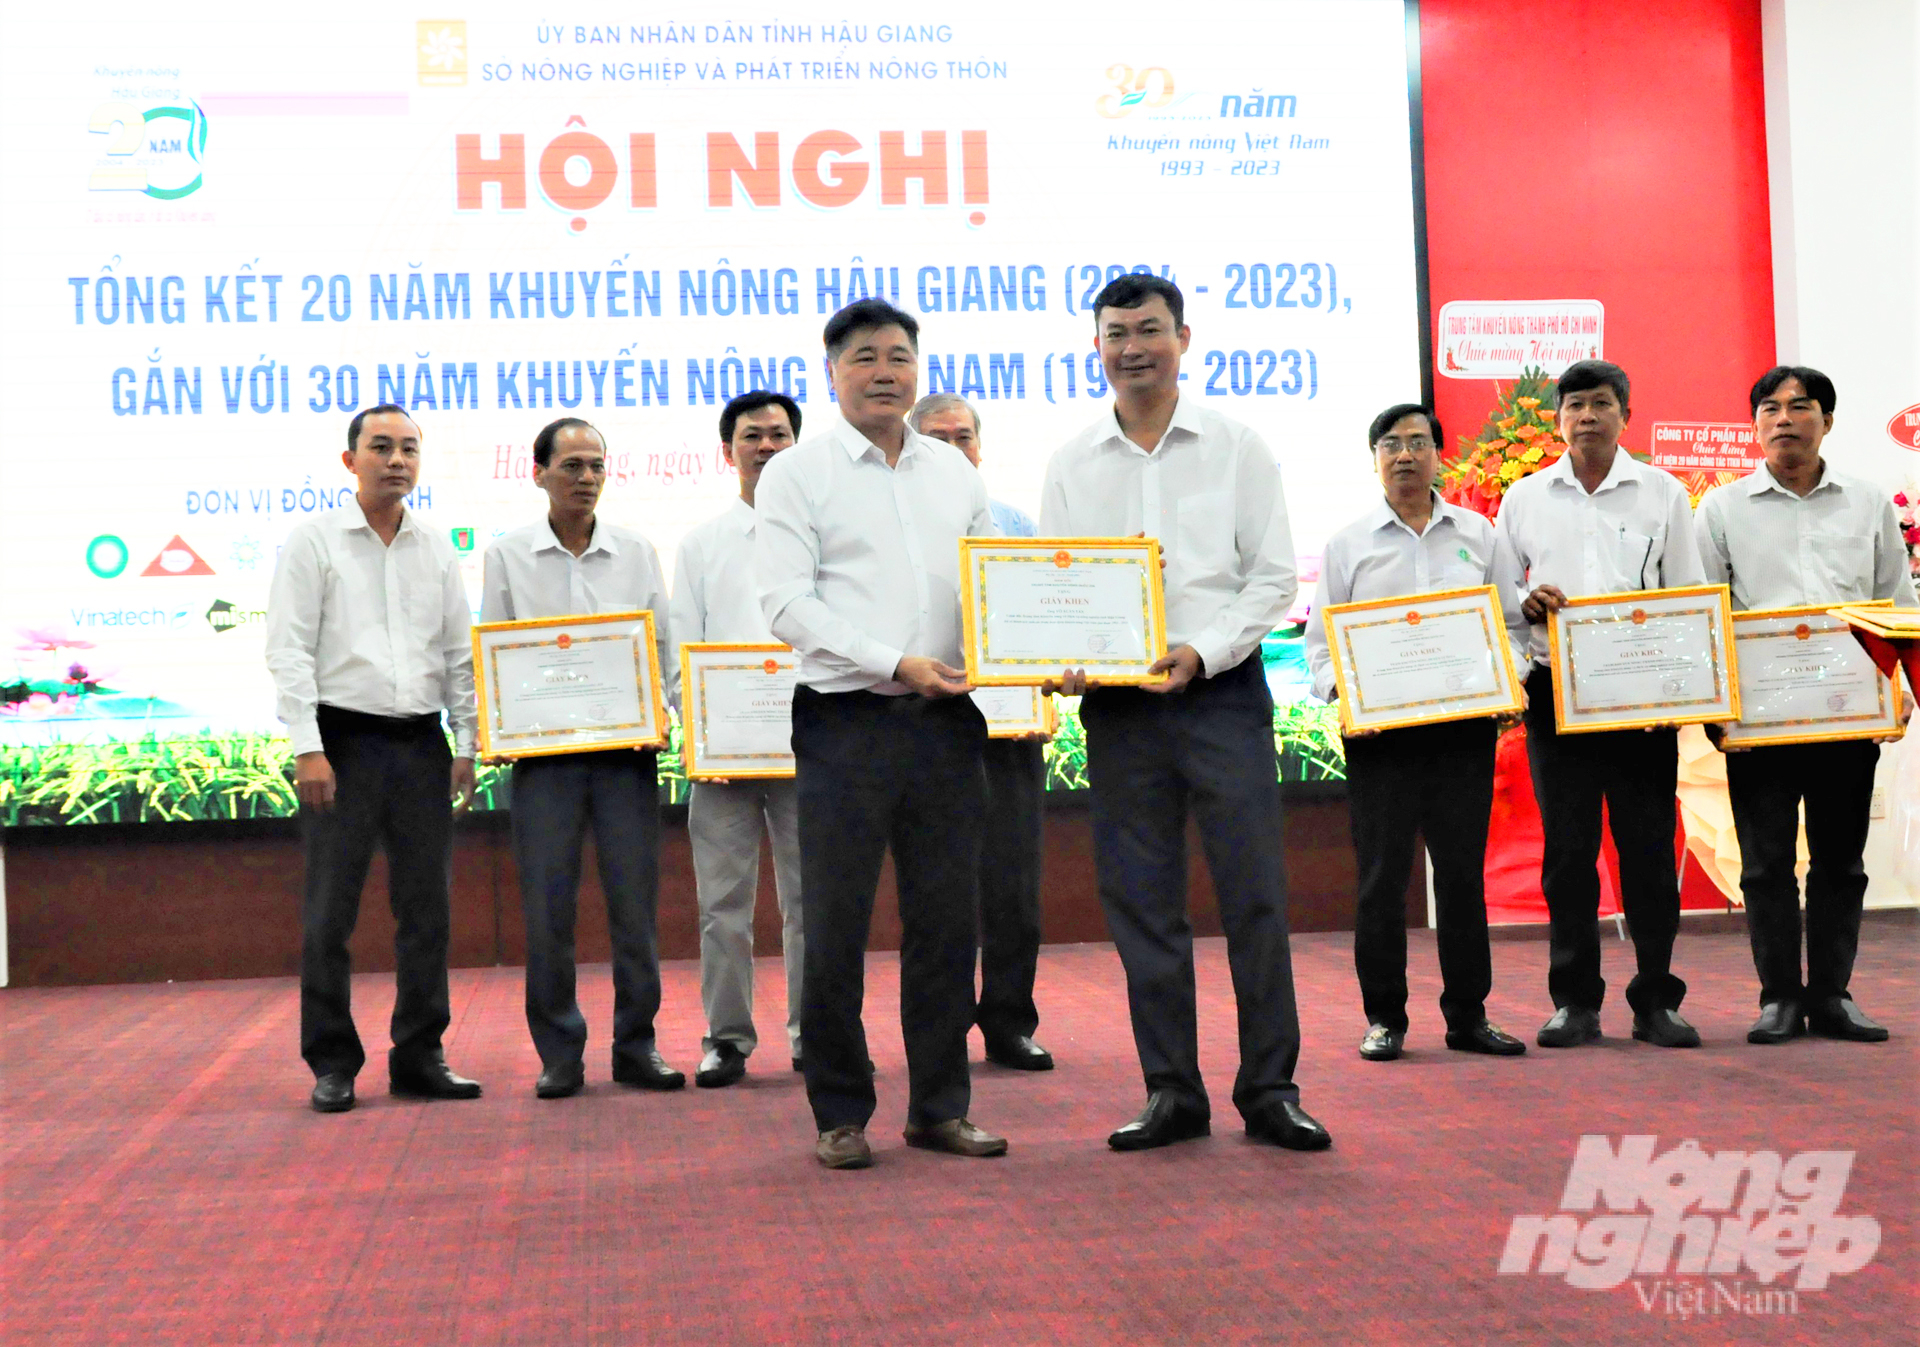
(165, 1183)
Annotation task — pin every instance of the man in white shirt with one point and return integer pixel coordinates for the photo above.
(368, 643)
(856, 554)
(572, 562)
(1160, 464)
(1597, 522)
(1011, 832)
(1432, 780)
(714, 599)
(1795, 532)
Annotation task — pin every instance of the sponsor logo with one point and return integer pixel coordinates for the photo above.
(462, 539)
(440, 48)
(106, 556)
(1129, 90)
(176, 558)
(151, 150)
(246, 553)
(1904, 427)
(140, 619)
(1699, 1233)
(223, 616)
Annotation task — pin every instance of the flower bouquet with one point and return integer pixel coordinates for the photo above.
(1518, 439)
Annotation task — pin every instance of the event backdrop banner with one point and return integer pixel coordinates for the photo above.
(226, 231)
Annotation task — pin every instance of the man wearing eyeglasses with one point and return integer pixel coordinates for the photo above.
(1597, 522)
(1432, 780)
(575, 562)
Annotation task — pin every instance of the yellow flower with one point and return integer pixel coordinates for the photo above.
(1531, 456)
(1511, 471)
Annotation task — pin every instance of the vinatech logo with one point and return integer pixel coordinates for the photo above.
(1697, 1232)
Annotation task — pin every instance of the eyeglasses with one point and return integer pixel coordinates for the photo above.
(1419, 444)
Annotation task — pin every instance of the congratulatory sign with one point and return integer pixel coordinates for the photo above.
(222, 240)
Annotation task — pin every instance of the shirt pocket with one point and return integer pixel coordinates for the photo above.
(1637, 559)
(1847, 561)
(1203, 533)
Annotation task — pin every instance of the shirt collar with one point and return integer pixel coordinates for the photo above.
(351, 516)
(1624, 470)
(1186, 417)
(858, 446)
(545, 539)
(741, 516)
(1761, 480)
(1383, 515)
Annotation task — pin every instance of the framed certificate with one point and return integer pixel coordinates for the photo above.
(736, 705)
(1032, 607)
(1016, 712)
(1647, 657)
(1805, 679)
(568, 685)
(1421, 658)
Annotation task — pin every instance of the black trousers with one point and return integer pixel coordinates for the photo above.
(1766, 786)
(554, 799)
(1015, 771)
(876, 772)
(1435, 781)
(1634, 772)
(391, 789)
(1152, 757)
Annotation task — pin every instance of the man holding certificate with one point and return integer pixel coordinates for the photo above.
(1597, 522)
(1433, 780)
(1201, 738)
(573, 562)
(1011, 840)
(368, 643)
(714, 599)
(856, 556)
(1794, 533)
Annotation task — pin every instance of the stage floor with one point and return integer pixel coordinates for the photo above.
(165, 1182)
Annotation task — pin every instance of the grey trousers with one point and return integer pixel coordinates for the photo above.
(724, 824)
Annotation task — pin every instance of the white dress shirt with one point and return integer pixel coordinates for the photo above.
(1839, 543)
(530, 574)
(857, 563)
(368, 626)
(714, 597)
(1635, 531)
(1210, 492)
(1379, 557)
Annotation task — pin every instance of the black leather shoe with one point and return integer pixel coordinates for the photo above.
(1569, 1028)
(1486, 1038)
(1381, 1043)
(1019, 1053)
(428, 1078)
(648, 1072)
(560, 1080)
(1665, 1029)
(1778, 1022)
(332, 1093)
(1288, 1125)
(723, 1065)
(1839, 1017)
(1163, 1121)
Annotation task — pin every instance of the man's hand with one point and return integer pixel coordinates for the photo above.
(1717, 736)
(313, 781)
(931, 678)
(462, 784)
(1543, 600)
(1906, 716)
(1070, 683)
(1181, 665)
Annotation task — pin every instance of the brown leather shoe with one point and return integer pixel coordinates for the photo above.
(955, 1136)
(843, 1148)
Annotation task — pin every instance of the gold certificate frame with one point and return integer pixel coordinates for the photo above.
(1033, 607)
(1017, 712)
(574, 684)
(1643, 658)
(1421, 659)
(1804, 679)
(736, 703)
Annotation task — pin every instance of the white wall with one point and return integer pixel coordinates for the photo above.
(1843, 155)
